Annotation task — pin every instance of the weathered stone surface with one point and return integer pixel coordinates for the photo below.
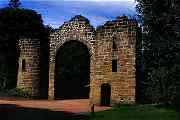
(29, 76)
(123, 32)
(120, 32)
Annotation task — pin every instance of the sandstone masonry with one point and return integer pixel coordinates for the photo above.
(110, 45)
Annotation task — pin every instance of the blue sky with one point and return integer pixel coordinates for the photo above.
(56, 12)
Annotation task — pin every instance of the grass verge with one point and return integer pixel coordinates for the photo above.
(136, 112)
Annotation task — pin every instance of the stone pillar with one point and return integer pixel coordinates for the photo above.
(51, 81)
(52, 51)
(29, 66)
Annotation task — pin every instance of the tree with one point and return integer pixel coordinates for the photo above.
(161, 51)
(14, 3)
(16, 23)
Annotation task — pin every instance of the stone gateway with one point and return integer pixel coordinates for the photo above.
(111, 53)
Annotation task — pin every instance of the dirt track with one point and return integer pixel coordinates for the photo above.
(72, 106)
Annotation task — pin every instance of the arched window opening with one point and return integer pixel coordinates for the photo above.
(105, 94)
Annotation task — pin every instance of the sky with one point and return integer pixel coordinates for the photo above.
(56, 12)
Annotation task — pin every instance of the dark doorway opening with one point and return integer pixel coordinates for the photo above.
(105, 94)
(72, 71)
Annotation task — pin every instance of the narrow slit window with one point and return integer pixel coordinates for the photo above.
(114, 46)
(23, 65)
(114, 65)
(114, 49)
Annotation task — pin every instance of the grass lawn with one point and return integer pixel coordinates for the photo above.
(136, 112)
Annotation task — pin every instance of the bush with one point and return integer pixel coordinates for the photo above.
(18, 92)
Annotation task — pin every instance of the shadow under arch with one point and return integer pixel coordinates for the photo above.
(72, 71)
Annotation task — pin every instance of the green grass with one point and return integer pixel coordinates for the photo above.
(136, 112)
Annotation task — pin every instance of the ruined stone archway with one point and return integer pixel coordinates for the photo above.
(112, 64)
(99, 43)
(72, 71)
(78, 29)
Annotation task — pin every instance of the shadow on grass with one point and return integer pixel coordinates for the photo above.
(14, 112)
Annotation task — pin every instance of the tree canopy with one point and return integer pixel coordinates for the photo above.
(14, 3)
(161, 53)
(16, 22)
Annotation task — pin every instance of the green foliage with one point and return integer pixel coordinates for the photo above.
(16, 23)
(20, 22)
(18, 92)
(161, 53)
(3, 73)
(161, 85)
(15, 92)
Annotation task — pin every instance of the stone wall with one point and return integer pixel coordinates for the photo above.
(122, 33)
(29, 73)
(115, 40)
(78, 28)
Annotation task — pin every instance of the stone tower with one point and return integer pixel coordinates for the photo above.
(115, 61)
(29, 66)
